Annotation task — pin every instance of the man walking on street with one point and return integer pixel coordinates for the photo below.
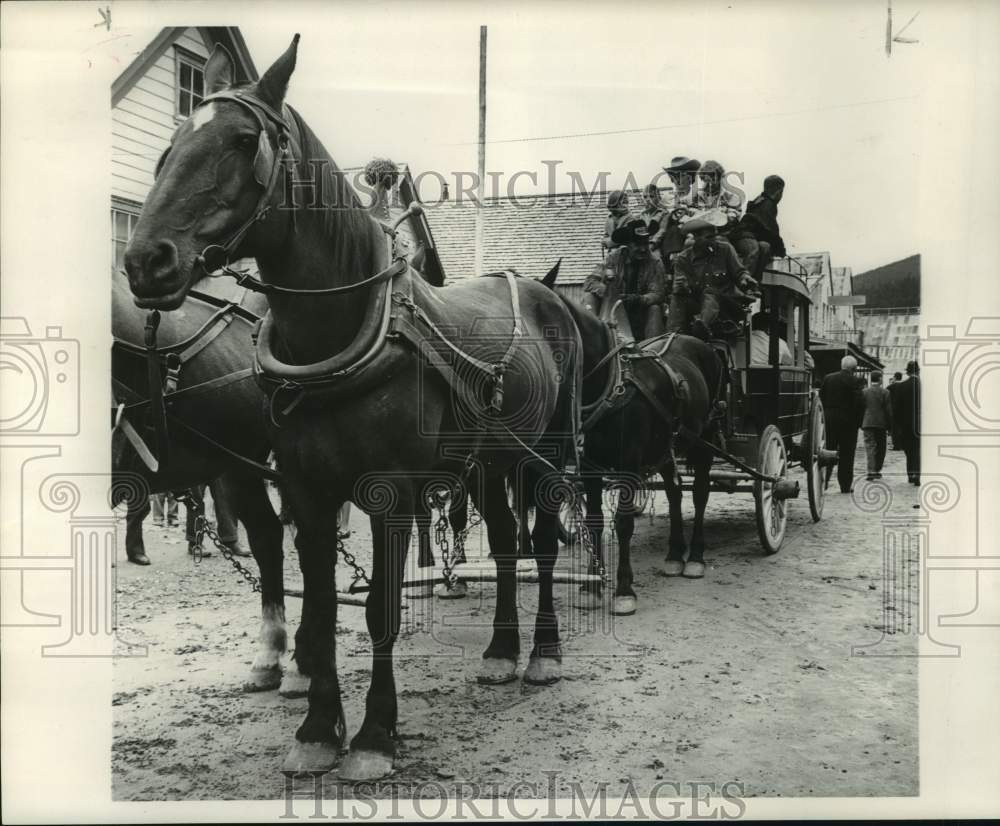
(877, 420)
(844, 407)
(908, 419)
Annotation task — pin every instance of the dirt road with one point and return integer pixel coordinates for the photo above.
(745, 676)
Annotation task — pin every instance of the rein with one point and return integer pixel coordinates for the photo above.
(163, 388)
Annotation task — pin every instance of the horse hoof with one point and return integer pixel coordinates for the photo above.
(364, 765)
(623, 606)
(457, 591)
(497, 672)
(294, 684)
(424, 591)
(311, 757)
(589, 601)
(694, 570)
(139, 558)
(673, 567)
(543, 671)
(263, 679)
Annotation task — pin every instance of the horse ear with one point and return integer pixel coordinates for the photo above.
(271, 88)
(219, 72)
(550, 277)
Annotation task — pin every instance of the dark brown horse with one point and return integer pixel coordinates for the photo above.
(216, 416)
(632, 430)
(375, 378)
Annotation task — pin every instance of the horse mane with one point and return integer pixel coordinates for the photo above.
(345, 220)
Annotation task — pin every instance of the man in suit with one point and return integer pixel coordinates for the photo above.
(908, 420)
(844, 407)
(896, 402)
(877, 421)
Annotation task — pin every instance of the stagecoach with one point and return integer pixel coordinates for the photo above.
(770, 417)
(773, 420)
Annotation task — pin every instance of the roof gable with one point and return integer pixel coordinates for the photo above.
(228, 36)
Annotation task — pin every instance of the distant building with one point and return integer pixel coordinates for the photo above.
(155, 93)
(890, 317)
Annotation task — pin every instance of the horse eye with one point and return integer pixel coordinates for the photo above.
(247, 143)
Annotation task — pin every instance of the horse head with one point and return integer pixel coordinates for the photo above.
(215, 189)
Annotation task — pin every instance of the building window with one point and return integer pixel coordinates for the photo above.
(123, 221)
(190, 81)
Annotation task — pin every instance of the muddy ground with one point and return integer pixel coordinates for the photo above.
(745, 676)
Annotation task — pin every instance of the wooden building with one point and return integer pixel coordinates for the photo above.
(154, 94)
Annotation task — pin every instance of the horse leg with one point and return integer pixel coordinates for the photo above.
(251, 506)
(624, 603)
(694, 568)
(501, 655)
(322, 733)
(135, 548)
(545, 665)
(373, 748)
(674, 566)
(591, 593)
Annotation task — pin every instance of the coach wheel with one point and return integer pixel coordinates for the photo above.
(772, 511)
(815, 442)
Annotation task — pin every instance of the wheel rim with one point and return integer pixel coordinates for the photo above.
(775, 510)
(816, 472)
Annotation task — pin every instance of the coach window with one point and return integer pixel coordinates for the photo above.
(190, 81)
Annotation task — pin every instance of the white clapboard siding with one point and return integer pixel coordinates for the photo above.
(143, 121)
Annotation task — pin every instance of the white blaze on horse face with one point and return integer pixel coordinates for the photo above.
(202, 115)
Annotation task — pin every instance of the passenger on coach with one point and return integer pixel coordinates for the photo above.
(680, 206)
(654, 215)
(634, 276)
(757, 237)
(708, 278)
(618, 215)
(713, 195)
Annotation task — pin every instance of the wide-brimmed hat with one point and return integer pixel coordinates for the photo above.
(716, 217)
(617, 197)
(697, 225)
(637, 230)
(682, 164)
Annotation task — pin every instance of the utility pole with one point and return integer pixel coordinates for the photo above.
(481, 183)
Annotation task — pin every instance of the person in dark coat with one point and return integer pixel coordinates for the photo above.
(908, 420)
(896, 401)
(757, 238)
(875, 425)
(709, 279)
(634, 275)
(844, 407)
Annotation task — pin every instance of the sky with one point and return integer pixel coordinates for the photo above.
(801, 89)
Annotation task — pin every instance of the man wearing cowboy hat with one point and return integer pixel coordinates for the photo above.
(708, 275)
(680, 207)
(633, 275)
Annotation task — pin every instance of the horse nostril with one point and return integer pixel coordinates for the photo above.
(162, 260)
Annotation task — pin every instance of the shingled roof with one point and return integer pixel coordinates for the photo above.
(528, 234)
